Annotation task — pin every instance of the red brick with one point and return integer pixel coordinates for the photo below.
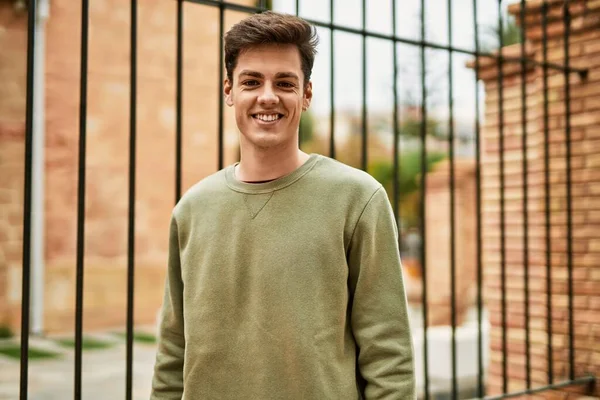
(585, 166)
(108, 128)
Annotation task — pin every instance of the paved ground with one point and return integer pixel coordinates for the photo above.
(103, 372)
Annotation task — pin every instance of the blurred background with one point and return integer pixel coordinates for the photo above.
(501, 229)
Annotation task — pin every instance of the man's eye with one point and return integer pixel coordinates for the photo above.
(286, 84)
(250, 83)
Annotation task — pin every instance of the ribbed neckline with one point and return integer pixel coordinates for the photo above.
(277, 184)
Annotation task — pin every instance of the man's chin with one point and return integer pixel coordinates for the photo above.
(266, 140)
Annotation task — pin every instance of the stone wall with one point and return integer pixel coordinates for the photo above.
(584, 47)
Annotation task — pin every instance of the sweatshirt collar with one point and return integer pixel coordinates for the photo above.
(276, 184)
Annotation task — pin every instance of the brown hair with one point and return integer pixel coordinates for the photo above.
(271, 27)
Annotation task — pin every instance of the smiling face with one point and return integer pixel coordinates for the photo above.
(268, 94)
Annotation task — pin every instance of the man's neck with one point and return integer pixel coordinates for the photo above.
(265, 165)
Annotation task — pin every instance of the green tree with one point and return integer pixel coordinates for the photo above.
(409, 170)
(409, 173)
(307, 126)
(268, 4)
(511, 34)
(411, 128)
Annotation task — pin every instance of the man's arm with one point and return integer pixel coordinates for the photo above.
(379, 309)
(167, 383)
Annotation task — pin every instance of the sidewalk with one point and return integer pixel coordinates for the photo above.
(103, 372)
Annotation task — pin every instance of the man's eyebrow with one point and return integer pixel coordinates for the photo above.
(278, 75)
(286, 75)
(255, 74)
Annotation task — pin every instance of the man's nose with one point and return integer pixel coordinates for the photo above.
(268, 95)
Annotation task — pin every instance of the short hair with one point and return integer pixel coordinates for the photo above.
(271, 28)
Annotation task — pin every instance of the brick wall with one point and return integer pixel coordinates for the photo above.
(13, 42)
(438, 245)
(108, 151)
(585, 134)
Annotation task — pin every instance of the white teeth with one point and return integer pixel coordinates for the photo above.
(267, 117)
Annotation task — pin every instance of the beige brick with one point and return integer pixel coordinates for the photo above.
(592, 161)
(594, 274)
(594, 245)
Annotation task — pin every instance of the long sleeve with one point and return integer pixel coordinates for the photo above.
(379, 316)
(167, 382)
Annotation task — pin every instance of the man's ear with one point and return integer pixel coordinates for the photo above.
(307, 96)
(227, 89)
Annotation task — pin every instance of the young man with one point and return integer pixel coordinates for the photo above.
(284, 278)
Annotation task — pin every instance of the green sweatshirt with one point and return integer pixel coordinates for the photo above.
(290, 289)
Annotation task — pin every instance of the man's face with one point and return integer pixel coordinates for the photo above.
(268, 94)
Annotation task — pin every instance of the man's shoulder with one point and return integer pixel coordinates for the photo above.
(336, 174)
(210, 188)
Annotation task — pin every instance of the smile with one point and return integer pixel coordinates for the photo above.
(267, 117)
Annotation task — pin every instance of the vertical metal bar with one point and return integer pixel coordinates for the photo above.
(480, 384)
(364, 152)
(178, 100)
(331, 84)
(423, 208)
(567, 33)
(452, 204)
(547, 192)
(262, 4)
(297, 8)
(297, 11)
(131, 212)
(502, 216)
(221, 77)
(26, 280)
(81, 196)
(525, 195)
(396, 166)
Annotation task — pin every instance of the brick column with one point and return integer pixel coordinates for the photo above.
(13, 42)
(584, 47)
(438, 245)
(107, 151)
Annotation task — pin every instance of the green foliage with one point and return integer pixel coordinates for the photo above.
(408, 182)
(268, 4)
(411, 127)
(511, 34)
(13, 350)
(408, 172)
(140, 337)
(307, 123)
(87, 343)
(5, 332)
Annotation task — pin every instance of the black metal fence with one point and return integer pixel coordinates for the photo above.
(393, 39)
